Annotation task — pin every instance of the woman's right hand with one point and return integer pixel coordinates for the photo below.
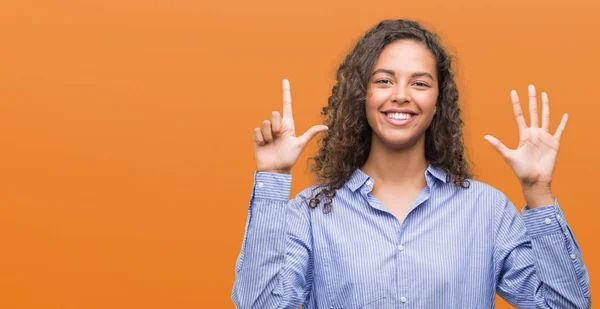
(276, 146)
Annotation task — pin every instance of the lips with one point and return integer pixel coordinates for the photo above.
(391, 118)
(399, 115)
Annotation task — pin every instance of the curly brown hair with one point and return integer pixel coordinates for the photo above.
(346, 145)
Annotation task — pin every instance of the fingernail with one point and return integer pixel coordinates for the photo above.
(531, 90)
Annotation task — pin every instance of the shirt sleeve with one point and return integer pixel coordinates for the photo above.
(538, 263)
(274, 267)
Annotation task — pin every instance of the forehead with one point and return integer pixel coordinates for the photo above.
(406, 56)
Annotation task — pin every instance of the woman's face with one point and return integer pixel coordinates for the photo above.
(401, 94)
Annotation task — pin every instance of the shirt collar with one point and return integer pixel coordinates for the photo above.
(359, 178)
(437, 172)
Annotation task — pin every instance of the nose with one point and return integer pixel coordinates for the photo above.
(401, 94)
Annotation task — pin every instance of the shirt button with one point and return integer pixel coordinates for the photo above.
(400, 247)
(260, 184)
(573, 256)
(547, 221)
(403, 299)
(369, 183)
(558, 217)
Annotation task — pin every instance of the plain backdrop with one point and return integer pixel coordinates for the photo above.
(126, 155)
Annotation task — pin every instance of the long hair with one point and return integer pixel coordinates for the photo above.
(346, 145)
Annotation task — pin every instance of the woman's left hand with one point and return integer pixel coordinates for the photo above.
(534, 159)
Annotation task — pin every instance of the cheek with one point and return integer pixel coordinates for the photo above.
(372, 110)
(375, 100)
(378, 96)
(427, 101)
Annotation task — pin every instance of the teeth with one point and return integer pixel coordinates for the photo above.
(399, 116)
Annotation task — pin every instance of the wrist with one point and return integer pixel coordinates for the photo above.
(284, 171)
(537, 195)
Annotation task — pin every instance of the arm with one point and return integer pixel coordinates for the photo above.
(538, 263)
(274, 267)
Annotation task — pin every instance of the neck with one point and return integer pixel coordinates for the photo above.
(390, 166)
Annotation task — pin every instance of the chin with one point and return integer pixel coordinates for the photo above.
(398, 143)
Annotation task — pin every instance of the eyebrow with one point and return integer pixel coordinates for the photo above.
(413, 75)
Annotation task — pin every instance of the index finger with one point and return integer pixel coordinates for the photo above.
(287, 100)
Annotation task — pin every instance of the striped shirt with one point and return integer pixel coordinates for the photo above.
(456, 248)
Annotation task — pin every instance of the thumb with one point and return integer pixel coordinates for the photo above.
(498, 145)
(311, 133)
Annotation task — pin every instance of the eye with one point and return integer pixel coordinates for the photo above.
(421, 84)
(383, 81)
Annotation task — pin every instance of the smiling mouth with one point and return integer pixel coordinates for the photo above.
(399, 116)
(399, 119)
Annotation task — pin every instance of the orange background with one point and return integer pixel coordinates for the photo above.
(126, 156)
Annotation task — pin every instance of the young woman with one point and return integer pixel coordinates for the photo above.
(396, 220)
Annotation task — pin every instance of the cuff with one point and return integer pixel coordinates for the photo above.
(543, 220)
(272, 186)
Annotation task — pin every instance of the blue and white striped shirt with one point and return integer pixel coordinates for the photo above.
(456, 248)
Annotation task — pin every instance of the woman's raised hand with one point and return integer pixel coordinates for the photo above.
(534, 159)
(276, 146)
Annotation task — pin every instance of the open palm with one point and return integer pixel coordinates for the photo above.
(534, 159)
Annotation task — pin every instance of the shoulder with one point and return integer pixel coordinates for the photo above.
(308, 193)
(483, 187)
(303, 198)
(479, 196)
(482, 193)
(482, 202)
(318, 197)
